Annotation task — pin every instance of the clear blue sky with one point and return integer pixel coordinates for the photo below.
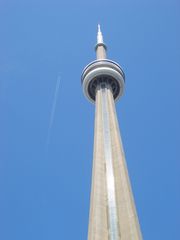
(45, 189)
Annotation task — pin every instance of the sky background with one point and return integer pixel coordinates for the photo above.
(45, 163)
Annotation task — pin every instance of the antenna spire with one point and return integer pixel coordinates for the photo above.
(99, 35)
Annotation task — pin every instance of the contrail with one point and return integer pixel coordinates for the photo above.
(53, 109)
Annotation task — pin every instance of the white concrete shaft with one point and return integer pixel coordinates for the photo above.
(100, 52)
(112, 210)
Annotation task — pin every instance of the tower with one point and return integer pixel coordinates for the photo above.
(112, 210)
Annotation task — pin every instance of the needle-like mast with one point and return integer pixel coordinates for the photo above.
(100, 46)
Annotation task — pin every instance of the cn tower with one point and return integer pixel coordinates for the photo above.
(112, 209)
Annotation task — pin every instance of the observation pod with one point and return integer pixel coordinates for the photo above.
(102, 71)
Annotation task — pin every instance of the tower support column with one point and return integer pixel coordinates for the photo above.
(112, 211)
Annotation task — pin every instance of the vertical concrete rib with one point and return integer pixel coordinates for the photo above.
(98, 227)
(110, 178)
(127, 216)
